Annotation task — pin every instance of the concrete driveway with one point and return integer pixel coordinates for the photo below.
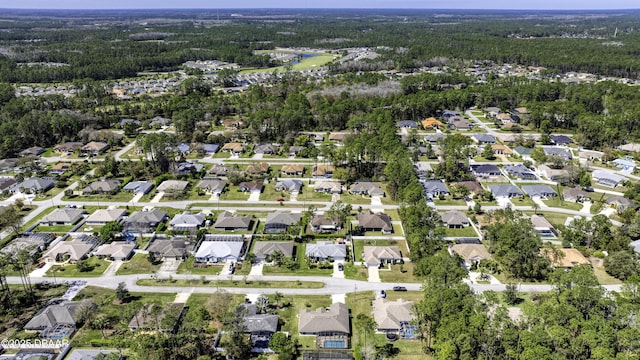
(170, 265)
(374, 274)
(254, 196)
(337, 273)
(256, 269)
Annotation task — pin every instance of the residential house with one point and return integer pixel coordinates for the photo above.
(67, 148)
(323, 224)
(557, 151)
(289, 185)
(293, 170)
(323, 171)
(169, 248)
(520, 171)
(575, 195)
(423, 170)
(561, 140)
(230, 222)
(139, 187)
(117, 250)
(395, 317)
(71, 251)
(266, 149)
(474, 187)
(94, 148)
(220, 248)
(234, 148)
(316, 137)
(433, 188)
(485, 170)
(366, 188)
(295, 150)
(218, 170)
(434, 138)
(58, 315)
(539, 191)
(62, 216)
(630, 147)
(406, 124)
(212, 186)
(261, 327)
(206, 149)
(500, 149)
(484, 139)
(110, 186)
(262, 249)
(7, 183)
(455, 219)
(8, 165)
(256, 169)
(370, 221)
(155, 317)
(251, 186)
(523, 152)
(173, 186)
(328, 187)
(59, 168)
(32, 243)
(543, 227)
(607, 178)
(459, 124)
(504, 118)
(553, 174)
(35, 185)
(447, 114)
(337, 137)
(565, 258)
(32, 151)
(505, 191)
(103, 216)
(144, 221)
(431, 123)
(377, 256)
(279, 221)
(326, 250)
(619, 202)
(187, 222)
(471, 254)
(188, 168)
(329, 326)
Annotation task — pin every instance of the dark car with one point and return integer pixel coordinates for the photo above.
(588, 189)
(383, 294)
(340, 267)
(399, 288)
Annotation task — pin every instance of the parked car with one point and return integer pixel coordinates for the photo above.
(383, 294)
(399, 288)
(588, 189)
(340, 267)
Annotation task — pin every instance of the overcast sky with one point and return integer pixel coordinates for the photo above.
(373, 4)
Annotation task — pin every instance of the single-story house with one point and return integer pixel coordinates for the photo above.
(337, 137)
(366, 188)
(553, 174)
(370, 221)
(32, 151)
(557, 151)
(459, 124)
(267, 149)
(234, 148)
(251, 186)
(63, 216)
(470, 253)
(329, 187)
(230, 222)
(289, 185)
(71, 251)
(213, 186)
(330, 326)
(218, 170)
(505, 191)
(545, 191)
(292, 170)
(406, 124)
(323, 171)
(139, 187)
(433, 188)
(220, 248)
(261, 327)
(169, 248)
(322, 223)
(187, 221)
(523, 152)
(500, 149)
(561, 139)
(59, 168)
(565, 258)
(67, 148)
(207, 149)
(380, 255)
(394, 317)
(619, 202)
(326, 250)
(110, 186)
(474, 187)
(94, 148)
(575, 195)
(117, 250)
(173, 186)
(627, 164)
(279, 221)
(262, 249)
(520, 171)
(423, 169)
(455, 219)
(484, 138)
(57, 315)
(295, 150)
(35, 185)
(188, 168)
(103, 216)
(434, 138)
(607, 178)
(543, 227)
(7, 165)
(144, 221)
(485, 170)
(260, 168)
(431, 123)
(7, 183)
(32, 243)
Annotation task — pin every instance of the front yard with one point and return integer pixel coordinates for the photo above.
(139, 264)
(95, 268)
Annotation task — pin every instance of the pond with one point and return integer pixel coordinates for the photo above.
(302, 57)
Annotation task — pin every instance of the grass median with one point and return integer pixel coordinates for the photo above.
(232, 283)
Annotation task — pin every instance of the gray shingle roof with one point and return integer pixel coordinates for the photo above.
(263, 248)
(227, 220)
(139, 186)
(62, 313)
(334, 319)
(539, 190)
(326, 249)
(505, 190)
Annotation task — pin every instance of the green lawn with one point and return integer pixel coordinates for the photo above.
(304, 64)
(71, 270)
(308, 194)
(397, 231)
(604, 278)
(355, 199)
(557, 203)
(355, 272)
(58, 229)
(123, 196)
(449, 202)
(463, 232)
(139, 264)
(398, 273)
(187, 267)
(522, 201)
(556, 219)
(303, 270)
(233, 283)
(270, 194)
(234, 194)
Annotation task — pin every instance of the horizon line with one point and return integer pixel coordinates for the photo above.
(320, 8)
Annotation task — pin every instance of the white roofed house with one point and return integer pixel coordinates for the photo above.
(326, 250)
(213, 186)
(117, 250)
(380, 255)
(607, 178)
(103, 216)
(71, 251)
(220, 248)
(63, 216)
(173, 186)
(187, 222)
